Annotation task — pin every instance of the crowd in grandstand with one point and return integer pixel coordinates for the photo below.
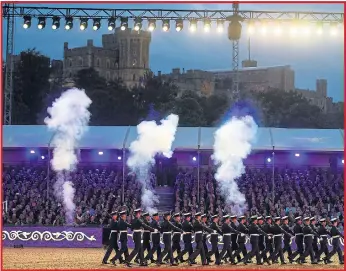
(313, 192)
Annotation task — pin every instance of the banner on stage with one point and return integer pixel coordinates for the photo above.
(65, 237)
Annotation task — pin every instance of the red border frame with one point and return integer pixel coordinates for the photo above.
(150, 2)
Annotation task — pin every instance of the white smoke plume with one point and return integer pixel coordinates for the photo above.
(152, 139)
(68, 119)
(232, 145)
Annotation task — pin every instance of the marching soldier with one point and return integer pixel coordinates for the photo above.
(227, 230)
(155, 239)
(187, 237)
(298, 232)
(214, 240)
(234, 236)
(198, 228)
(122, 231)
(316, 237)
(336, 235)
(241, 238)
(287, 238)
(278, 232)
(176, 237)
(267, 239)
(323, 233)
(137, 227)
(205, 234)
(254, 232)
(146, 236)
(113, 238)
(308, 239)
(261, 241)
(166, 229)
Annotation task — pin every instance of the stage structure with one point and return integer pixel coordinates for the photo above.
(257, 21)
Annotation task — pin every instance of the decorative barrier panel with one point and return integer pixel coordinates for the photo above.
(67, 237)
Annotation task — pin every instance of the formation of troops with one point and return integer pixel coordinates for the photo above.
(270, 239)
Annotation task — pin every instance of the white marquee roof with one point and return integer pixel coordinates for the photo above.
(187, 138)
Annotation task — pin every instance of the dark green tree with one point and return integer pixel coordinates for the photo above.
(31, 84)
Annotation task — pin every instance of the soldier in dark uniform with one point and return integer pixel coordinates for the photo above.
(316, 237)
(214, 239)
(176, 237)
(268, 241)
(113, 238)
(146, 237)
(254, 232)
(298, 232)
(261, 241)
(227, 230)
(308, 238)
(137, 226)
(287, 238)
(205, 235)
(278, 233)
(198, 228)
(241, 238)
(234, 236)
(166, 229)
(336, 235)
(155, 239)
(323, 233)
(122, 231)
(187, 237)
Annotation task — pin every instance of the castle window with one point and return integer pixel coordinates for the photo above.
(134, 53)
(80, 61)
(98, 63)
(134, 77)
(134, 62)
(116, 65)
(108, 64)
(70, 62)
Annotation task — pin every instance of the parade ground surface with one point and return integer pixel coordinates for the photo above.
(90, 258)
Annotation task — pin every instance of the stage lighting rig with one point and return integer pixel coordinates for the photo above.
(96, 24)
(56, 23)
(193, 25)
(83, 24)
(41, 23)
(220, 26)
(68, 23)
(179, 25)
(207, 25)
(124, 23)
(27, 22)
(151, 25)
(111, 23)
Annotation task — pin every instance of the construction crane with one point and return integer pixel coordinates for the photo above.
(234, 17)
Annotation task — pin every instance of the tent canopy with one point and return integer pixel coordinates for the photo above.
(187, 138)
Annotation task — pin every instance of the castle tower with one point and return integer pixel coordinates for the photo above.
(132, 53)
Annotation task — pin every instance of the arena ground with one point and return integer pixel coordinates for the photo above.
(78, 258)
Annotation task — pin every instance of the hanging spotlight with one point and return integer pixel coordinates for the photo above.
(165, 25)
(124, 23)
(179, 25)
(41, 22)
(294, 28)
(207, 25)
(333, 29)
(306, 28)
(27, 22)
(111, 23)
(278, 29)
(97, 24)
(219, 26)
(138, 24)
(264, 28)
(193, 25)
(319, 28)
(151, 25)
(83, 24)
(251, 27)
(56, 23)
(69, 23)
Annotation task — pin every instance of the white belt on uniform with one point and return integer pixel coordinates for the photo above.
(311, 235)
(146, 231)
(228, 234)
(112, 231)
(336, 236)
(187, 232)
(167, 232)
(255, 234)
(326, 236)
(198, 232)
(277, 235)
(298, 234)
(137, 230)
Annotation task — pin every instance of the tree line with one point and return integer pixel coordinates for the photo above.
(114, 104)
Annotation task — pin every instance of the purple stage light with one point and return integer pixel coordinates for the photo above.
(100, 152)
(42, 157)
(32, 151)
(297, 155)
(269, 160)
(194, 158)
(119, 157)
